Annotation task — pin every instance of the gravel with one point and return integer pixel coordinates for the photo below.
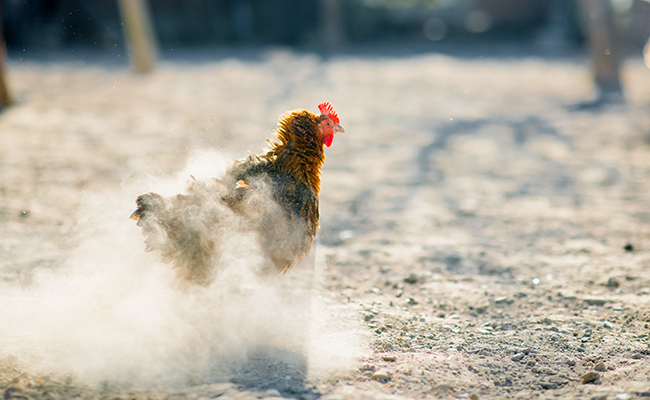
(487, 241)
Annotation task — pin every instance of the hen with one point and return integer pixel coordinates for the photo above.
(274, 196)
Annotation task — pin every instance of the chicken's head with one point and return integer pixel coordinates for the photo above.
(329, 123)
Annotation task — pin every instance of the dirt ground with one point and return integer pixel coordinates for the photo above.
(490, 238)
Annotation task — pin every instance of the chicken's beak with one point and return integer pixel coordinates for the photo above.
(339, 128)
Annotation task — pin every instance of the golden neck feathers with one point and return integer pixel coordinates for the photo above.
(298, 149)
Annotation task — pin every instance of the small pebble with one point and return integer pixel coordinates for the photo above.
(502, 300)
(381, 375)
(388, 357)
(608, 325)
(628, 247)
(411, 301)
(600, 366)
(613, 283)
(473, 396)
(412, 279)
(589, 377)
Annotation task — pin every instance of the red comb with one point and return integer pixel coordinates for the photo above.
(326, 109)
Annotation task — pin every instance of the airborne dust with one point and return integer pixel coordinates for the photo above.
(115, 315)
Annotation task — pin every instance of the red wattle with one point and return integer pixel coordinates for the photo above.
(328, 140)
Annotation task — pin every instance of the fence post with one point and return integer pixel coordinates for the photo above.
(332, 29)
(5, 97)
(138, 34)
(598, 16)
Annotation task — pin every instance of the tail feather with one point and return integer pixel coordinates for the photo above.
(167, 227)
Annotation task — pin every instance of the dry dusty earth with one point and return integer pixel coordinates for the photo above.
(487, 238)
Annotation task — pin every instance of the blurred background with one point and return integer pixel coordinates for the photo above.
(479, 168)
(550, 25)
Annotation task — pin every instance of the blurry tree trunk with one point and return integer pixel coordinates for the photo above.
(5, 97)
(332, 30)
(138, 34)
(598, 16)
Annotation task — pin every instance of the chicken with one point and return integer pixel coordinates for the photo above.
(273, 196)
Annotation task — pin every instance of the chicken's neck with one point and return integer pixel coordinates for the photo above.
(298, 154)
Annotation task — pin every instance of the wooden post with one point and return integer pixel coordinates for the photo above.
(138, 34)
(332, 30)
(5, 97)
(603, 40)
(646, 54)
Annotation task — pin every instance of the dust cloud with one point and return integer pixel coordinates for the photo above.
(114, 314)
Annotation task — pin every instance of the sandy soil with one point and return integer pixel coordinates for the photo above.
(488, 239)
